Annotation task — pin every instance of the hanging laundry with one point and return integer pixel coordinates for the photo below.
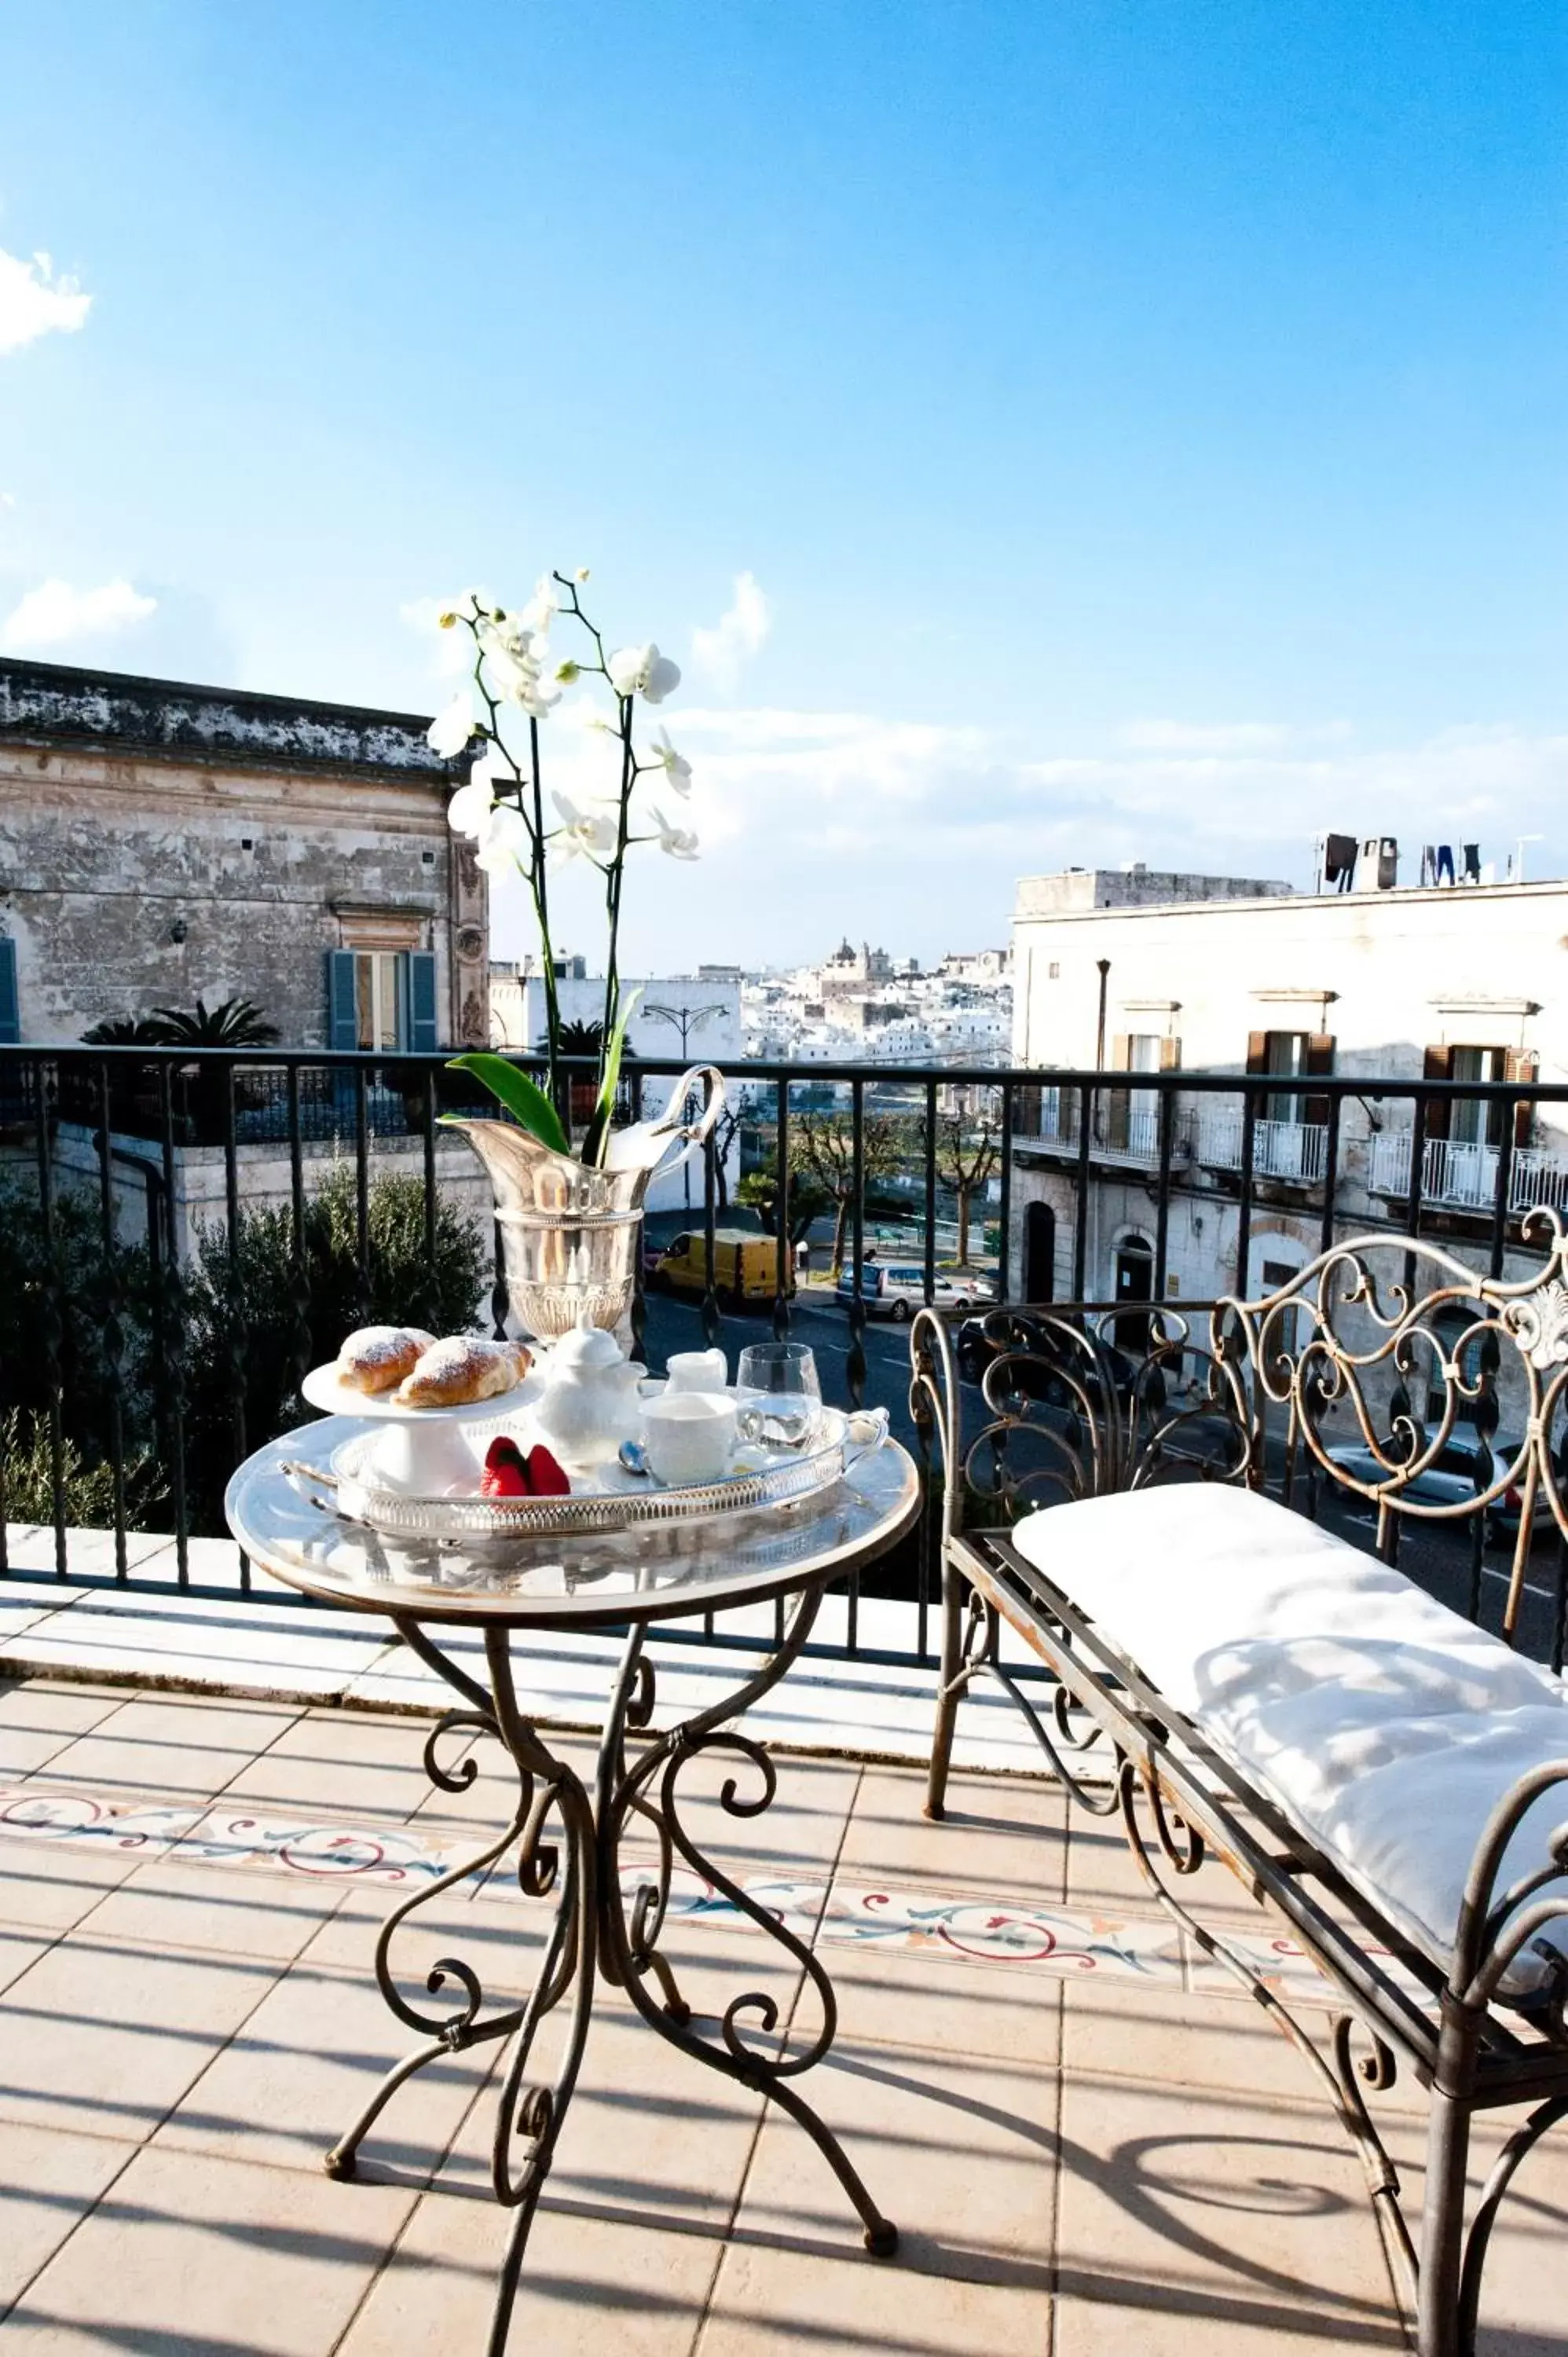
(1444, 863)
(1340, 861)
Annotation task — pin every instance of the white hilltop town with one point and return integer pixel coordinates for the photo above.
(860, 1006)
(856, 1007)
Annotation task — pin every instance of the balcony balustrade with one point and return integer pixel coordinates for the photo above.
(135, 1171)
(1461, 1174)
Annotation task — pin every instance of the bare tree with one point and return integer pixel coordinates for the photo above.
(823, 1145)
(726, 1129)
(966, 1155)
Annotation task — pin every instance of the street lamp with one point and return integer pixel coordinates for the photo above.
(684, 1019)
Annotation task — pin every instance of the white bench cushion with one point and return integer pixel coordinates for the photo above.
(1386, 1727)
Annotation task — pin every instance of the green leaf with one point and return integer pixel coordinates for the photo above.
(599, 1127)
(522, 1098)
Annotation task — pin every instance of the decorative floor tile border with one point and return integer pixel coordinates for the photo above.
(1060, 1940)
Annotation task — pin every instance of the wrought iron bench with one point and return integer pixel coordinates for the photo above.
(1231, 1679)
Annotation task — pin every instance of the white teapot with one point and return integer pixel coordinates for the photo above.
(591, 1402)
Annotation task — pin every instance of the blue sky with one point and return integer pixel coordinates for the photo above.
(1142, 427)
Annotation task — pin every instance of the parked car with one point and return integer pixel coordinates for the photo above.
(1451, 1480)
(746, 1266)
(897, 1288)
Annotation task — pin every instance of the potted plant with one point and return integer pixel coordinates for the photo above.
(570, 1219)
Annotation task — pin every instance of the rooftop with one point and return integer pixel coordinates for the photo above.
(59, 703)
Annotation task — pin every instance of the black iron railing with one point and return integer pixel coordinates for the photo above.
(184, 1234)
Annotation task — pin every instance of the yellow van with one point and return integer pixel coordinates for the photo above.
(746, 1266)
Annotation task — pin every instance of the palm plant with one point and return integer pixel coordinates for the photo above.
(125, 1032)
(575, 1037)
(232, 1023)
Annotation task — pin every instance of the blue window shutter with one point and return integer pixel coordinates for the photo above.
(10, 1006)
(422, 1001)
(342, 1000)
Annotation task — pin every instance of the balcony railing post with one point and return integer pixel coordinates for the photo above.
(713, 1317)
(784, 1254)
(432, 1299)
(298, 1256)
(854, 1363)
(53, 1322)
(1086, 1116)
(930, 1256)
(1330, 1173)
(1004, 1203)
(234, 1305)
(174, 1334)
(112, 1333)
(1244, 1203)
(363, 1188)
(1163, 1192)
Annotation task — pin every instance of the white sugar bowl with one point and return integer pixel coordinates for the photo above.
(590, 1403)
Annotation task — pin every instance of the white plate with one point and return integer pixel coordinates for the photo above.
(421, 1451)
(324, 1388)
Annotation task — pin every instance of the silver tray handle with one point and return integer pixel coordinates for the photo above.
(307, 1480)
(866, 1430)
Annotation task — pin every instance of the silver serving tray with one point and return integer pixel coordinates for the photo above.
(608, 1499)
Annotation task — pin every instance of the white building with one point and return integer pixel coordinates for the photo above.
(687, 1019)
(1134, 973)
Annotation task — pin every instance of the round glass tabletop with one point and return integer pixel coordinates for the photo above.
(653, 1573)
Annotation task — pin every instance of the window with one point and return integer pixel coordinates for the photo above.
(378, 998)
(1053, 972)
(1290, 1055)
(1132, 1116)
(1477, 1121)
(1474, 1127)
(382, 999)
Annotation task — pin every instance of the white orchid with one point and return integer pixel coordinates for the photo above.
(468, 811)
(676, 768)
(505, 842)
(517, 658)
(680, 841)
(643, 671)
(542, 607)
(582, 831)
(450, 730)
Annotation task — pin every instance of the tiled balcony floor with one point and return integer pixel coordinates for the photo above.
(1088, 2146)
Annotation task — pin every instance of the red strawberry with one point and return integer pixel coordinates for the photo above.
(546, 1477)
(505, 1474)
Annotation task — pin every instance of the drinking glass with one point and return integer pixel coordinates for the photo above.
(779, 1396)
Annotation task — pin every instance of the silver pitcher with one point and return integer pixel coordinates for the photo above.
(570, 1235)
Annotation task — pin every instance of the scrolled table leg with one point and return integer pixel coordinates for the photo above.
(530, 2112)
(648, 1789)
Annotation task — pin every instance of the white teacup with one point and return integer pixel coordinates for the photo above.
(698, 1371)
(691, 1435)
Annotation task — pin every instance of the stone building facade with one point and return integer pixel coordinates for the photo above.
(160, 842)
(1140, 973)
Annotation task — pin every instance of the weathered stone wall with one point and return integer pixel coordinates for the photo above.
(160, 842)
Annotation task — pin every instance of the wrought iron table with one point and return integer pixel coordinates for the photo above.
(620, 1580)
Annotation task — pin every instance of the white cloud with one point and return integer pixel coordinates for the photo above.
(736, 636)
(34, 302)
(1187, 737)
(810, 821)
(55, 614)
